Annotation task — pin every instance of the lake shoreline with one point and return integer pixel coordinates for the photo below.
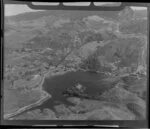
(45, 97)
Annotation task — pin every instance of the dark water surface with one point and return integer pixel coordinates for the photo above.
(93, 83)
(57, 84)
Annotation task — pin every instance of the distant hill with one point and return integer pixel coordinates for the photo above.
(71, 14)
(140, 13)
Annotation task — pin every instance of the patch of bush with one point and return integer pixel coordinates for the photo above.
(91, 63)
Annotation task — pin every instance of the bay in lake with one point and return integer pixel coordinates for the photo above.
(93, 82)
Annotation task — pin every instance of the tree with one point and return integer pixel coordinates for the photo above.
(91, 63)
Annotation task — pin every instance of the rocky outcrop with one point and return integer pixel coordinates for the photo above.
(129, 24)
(126, 14)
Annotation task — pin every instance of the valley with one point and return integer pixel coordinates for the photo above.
(65, 66)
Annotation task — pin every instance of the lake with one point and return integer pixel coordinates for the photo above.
(93, 82)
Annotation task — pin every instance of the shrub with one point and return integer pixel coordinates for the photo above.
(91, 63)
